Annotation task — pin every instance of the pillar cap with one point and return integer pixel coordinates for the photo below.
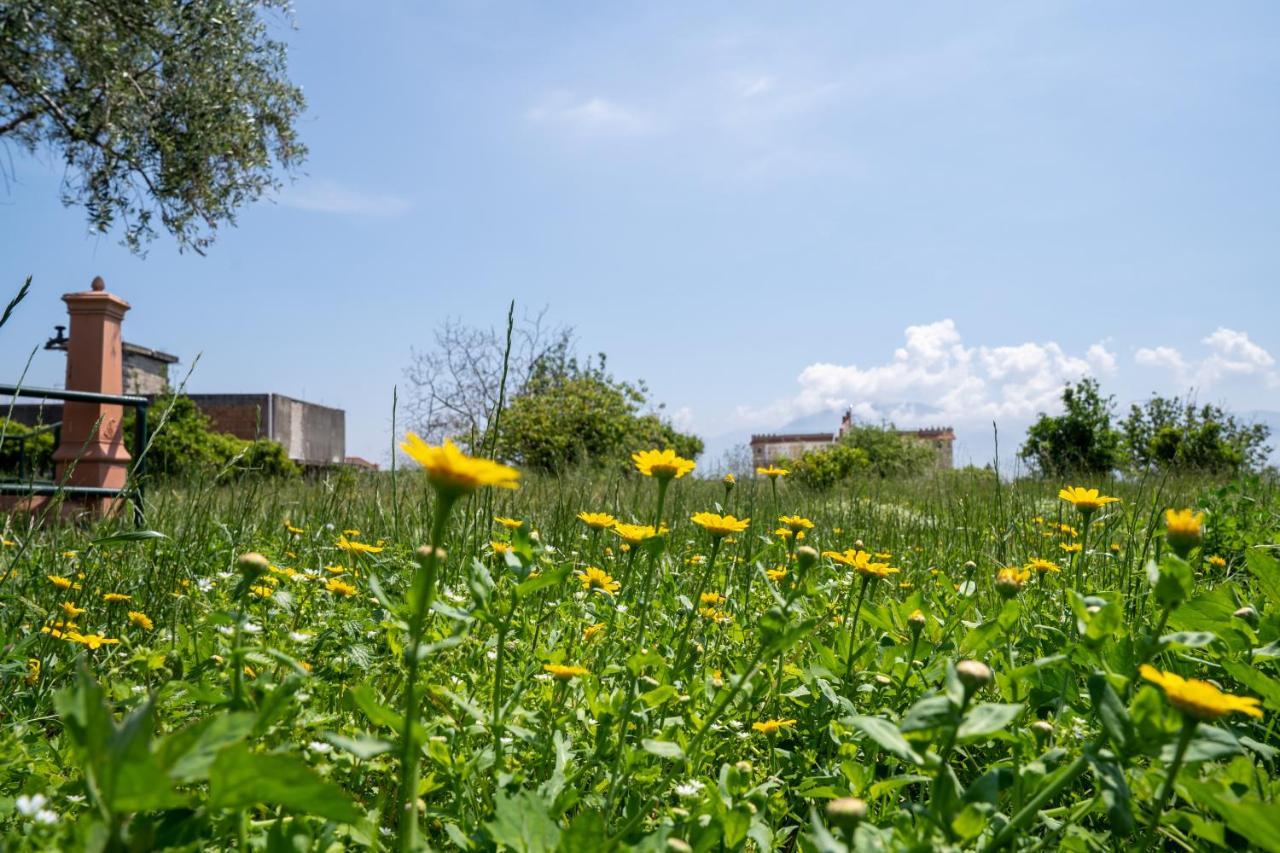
(95, 300)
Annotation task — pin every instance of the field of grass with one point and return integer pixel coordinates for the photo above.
(863, 679)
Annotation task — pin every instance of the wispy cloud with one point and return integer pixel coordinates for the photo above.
(321, 195)
(588, 115)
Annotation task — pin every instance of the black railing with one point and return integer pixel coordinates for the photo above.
(140, 406)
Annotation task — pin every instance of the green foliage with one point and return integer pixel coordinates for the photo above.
(1082, 440)
(25, 451)
(259, 711)
(569, 414)
(823, 469)
(878, 450)
(185, 445)
(889, 453)
(1168, 434)
(158, 109)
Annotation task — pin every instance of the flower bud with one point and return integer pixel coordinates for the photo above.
(973, 674)
(1042, 729)
(1248, 614)
(857, 543)
(846, 813)
(969, 567)
(806, 557)
(252, 565)
(916, 621)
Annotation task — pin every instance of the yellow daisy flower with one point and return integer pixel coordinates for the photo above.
(719, 525)
(1199, 699)
(1085, 500)
(768, 727)
(663, 464)
(594, 578)
(597, 520)
(454, 473)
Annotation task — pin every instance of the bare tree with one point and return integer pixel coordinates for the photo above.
(453, 386)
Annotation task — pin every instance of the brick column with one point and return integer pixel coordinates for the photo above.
(91, 432)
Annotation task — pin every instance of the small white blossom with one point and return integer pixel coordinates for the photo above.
(299, 636)
(689, 790)
(46, 816)
(251, 628)
(320, 747)
(28, 805)
(204, 584)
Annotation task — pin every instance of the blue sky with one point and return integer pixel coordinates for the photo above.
(933, 212)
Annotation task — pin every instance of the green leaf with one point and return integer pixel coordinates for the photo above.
(662, 748)
(886, 736)
(1266, 569)
(521, 822)
(188, 754)
(1256, 821)
(1267, 688)
(128, 536)
(1114, 790)
(550, 577)
(1209, 744)
(1172, 580)
(361, 747)
(240, 778)
(658, 695)
(587, 832)
(1112, 713)
(1190, 639)
(986, 719)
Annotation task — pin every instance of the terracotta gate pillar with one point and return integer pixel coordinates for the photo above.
(92, 434)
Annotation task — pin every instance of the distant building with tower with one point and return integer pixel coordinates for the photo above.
(772, 448)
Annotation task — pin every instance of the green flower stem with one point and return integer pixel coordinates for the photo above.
(1084, 550)
(853, 627)
(695, 746)
(697, 597)
(424, 587)
(1028, 812)
(1166, 791)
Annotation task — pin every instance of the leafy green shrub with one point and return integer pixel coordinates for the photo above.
(878, 450)
(568, 415)
(823, 469)
(185, 444)
(22, 441)
(1172, 435)
(1082, 440)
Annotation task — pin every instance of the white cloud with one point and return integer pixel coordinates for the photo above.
(936, 376)
(326, 196)
(591, 115)
(1230, 354)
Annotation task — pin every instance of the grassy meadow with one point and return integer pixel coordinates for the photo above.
(952, 662)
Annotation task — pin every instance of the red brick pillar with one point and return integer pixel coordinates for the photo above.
(92, 436)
